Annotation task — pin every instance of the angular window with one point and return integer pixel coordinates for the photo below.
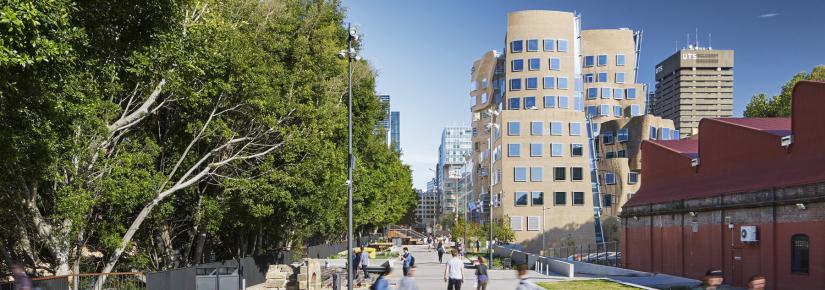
(623, 135)
(602, 77)
(529, 103)
(635, 111)
(602, 60)
(514, 150)
(562, 83)
(617, 111)
(516, 46)
(549, 82)
(653, 133)
(513, 128)
(515, 103)
(559, 198)
(675, 135)
(534, 64)
(536, 128)
(607, 137)
(592, 110)
(632, 177)
(515, 84)
(532, 83)
(549, 45)
(557, 149)
(538, 198)
(517, 65)
(559, 173)
(562, 46)
(609, 178)
(536, 173)
(589, 61)
(588, 78)
(576, 150)
(532, 45)
(592, 93)
(555, 63)
(576, 173)
(604, 110)
(620, 60)
(631, 94)
(555, 128)
(549, 101)
(607, 200)
(619, 77)
(578, 198)
(578, 103)
(618, 94)
(607, 93)
(800, 251)
(536, 150)
(520, 174)
(610, 155)
(621, 153)
(575, 129)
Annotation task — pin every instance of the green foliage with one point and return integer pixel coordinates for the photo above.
(37, 31)
(780, 105)
(473, 230)
(502, 232)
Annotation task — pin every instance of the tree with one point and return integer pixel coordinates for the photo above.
(780, 105)
(502, 232)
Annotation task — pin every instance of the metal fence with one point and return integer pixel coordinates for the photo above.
(326, 250)
(608, 253)
(217, 275)
(120, 281)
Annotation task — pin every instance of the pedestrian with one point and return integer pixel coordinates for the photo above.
(21, 280)
(429, 244)
(712, 281)
(757, 282)
(381, 282)
(407, 260)
(454, 272)
(440, 251)
(524, 281)
(459, 248)
(365, 262)
(478, 246)
(481, 274)
(407, 282)
(356, 262)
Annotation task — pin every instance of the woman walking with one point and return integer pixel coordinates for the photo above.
(481, 274)
(440, 251)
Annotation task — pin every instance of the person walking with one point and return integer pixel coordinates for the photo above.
(407, 261)
(407, 282)
(712, 281)
(440, 251)
(381, 282)
(478, 246)
(524, 281)
(757, 282)
(356, 263)
(481, 274)
(454, 272)
(365, 262)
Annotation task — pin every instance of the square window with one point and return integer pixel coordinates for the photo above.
(514, 150)
(607, 93)
(607, 137)
(515, 84)
(592, 93)
(619, 77)
(632, 177)
(675, 135)
(559, 198)
(559, 173)
(536, 128)
(517, 65)
(532, 45)
(634, 110)
(602, 77)
(536, 150)
(631, 94)
(557, 149)
(578, 103)
(536, 174)
(521, 198)
(562, 83)
(618, 94)
(533, 223)
(576, 173)
(589, 61)
(665, 134)
(562, 45)
(576, 150)
(575, 129)
(578, 198)
(604, 110)
(516, 46)
(564, 102)
(609, 178)
(619, 59)
(555, 128)
(555, 63)
(592, 110)
(621, 153)
(538, 198)
(623, 135)
(532, 83)
(617, 111)
(520, 174)
(602, 60)
(515, 103)
(517, 222)
(653, 133)
(534, 64)
(610, 155)
(549, 82)
(529, 103)
(513, 128)
(549, 45)
(549, 101)
(607, 200)
(588, 78)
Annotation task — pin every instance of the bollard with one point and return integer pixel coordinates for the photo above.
(336, 281)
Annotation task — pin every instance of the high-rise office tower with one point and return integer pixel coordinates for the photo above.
(383, 126)
(395, 131)
(692, 84)
(455, 145)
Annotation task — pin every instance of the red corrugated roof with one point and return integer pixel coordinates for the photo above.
(687, 147)
(776, 126)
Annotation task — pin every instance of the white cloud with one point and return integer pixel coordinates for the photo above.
(768, 15)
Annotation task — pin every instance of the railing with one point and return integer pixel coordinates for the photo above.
(410, 232)
(120, 281)
(600, 253)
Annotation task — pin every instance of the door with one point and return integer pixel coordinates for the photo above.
(738, 267)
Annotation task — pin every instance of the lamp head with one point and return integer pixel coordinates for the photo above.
(342, 54)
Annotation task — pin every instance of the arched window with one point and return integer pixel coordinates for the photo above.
(799, 254)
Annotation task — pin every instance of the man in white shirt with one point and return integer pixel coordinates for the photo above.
(365, 262)
(454, 272)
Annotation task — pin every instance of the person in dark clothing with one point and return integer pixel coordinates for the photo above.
(481, 274)
(440, 250)
(478, 246)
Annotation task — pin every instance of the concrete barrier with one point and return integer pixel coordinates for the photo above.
(537, 263)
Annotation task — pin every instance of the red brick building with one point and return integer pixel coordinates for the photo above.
(761, 178)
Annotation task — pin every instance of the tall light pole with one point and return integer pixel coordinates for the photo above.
(543, 230)
(493, 126)
(350, 55)
(466, 204)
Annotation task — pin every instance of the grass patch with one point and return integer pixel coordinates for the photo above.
(585, 284)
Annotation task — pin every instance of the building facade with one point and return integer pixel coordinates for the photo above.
(395, 131)
(383, 125)
(429, 208)
(747, 195)
(692, 84)
(454, 150)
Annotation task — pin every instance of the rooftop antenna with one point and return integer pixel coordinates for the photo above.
(687, 39)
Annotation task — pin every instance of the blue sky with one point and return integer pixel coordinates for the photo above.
(423, 50)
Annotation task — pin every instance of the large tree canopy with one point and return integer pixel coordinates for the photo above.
(159, 132)
(780, 105)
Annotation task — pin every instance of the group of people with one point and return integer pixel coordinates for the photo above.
(714, 280)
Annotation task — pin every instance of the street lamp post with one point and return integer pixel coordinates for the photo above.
(466, 204)
(350, 55)
(493, 126)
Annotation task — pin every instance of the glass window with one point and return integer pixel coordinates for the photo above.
(549, 82)
(607, 93)
(516, 46)
(559, 173)
(549, 101)
(576, 150)
(515, 103)
(562, 83)
(604, 110)
(592, 110)
(619, 77)
(665, 134)
(536, 150)
(578, 103)
(588, 78)
(631, 94)
(602, 77)
(515, 84)
(609, 178)
(592, 93)
(529, 102)
(575, 129)
(578, 198)
(562, 46)
(513, 128)
(532, 83)
(517, 222)
(521, 198)
(675, 134)
(617, 111)
(632, 177)
(538, 198)
(532, 45)
(607, 200)
(621, 153)
(800, 250)
(653, 133)
(634, 110)
(536, 173)
(557, 149)
(520, 174)
(534, 64)
(623, 135)
(536, 128)
(602, 60)
(619, 59)
(576, 173)
(589, 61)
(517, 65)
(607, 137)
(549, 45)
(514, 150)
(610, 155)
(618, 94)
(555, 128)
(555, 63)
(559, 198)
